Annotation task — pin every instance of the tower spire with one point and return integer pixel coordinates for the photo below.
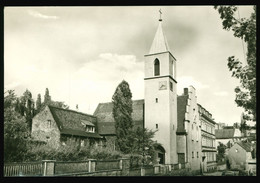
(160, 43)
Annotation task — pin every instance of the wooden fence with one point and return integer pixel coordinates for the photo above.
(62, 167)
(107, 165)
(23, 169)
(91, 167)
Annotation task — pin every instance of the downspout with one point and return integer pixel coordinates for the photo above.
(143, 134)
(186, 145)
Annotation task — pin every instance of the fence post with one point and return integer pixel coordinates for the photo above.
(179, 166)
(120, 164)
(125, 166)
(91, 165)
(48, 167)
(142, 171)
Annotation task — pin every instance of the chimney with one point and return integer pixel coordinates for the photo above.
(186, 91)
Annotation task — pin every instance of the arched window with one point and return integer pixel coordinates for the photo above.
(156, 67)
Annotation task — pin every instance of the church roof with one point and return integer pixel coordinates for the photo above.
(106, 122)
(224, 133)
(72, 122)
(160, 43)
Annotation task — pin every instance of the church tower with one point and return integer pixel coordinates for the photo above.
(161, 96)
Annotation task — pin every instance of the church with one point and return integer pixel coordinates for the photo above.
(175, 118)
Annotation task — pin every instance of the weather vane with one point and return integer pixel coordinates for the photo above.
(160, 11)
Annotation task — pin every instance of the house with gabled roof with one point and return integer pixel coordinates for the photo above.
(58, 126)
(240, 153)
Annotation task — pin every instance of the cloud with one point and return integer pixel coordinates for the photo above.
(186, 81)
(97, 80)
(39, 15)
(12, 85)
(221, 93)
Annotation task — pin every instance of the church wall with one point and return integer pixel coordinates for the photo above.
(164, 111)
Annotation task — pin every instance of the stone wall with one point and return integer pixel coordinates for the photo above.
(44, 128)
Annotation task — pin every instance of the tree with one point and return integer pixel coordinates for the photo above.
(15, 129)
(221, 151)
(47, 97)
(244, 28)
(122, 113)
(28, 107)
(142, 143)
(59, 104)
(38, 103)
(48, 101)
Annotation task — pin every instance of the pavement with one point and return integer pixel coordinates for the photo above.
(212, 173)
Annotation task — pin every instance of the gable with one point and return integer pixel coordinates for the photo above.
(72, 122)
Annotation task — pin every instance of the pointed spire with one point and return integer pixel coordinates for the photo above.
(160, 43)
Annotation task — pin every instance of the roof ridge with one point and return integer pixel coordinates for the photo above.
(69, 110)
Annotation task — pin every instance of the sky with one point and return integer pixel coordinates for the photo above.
(81, 54)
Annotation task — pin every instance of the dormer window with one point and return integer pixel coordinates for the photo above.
(89, 127)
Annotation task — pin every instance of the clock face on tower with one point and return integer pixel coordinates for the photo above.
(162, 85)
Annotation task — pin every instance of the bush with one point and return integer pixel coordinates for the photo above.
(69, 153)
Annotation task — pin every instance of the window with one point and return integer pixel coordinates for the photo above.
(156, 100)
(192, 154)
(156, 126)
(197, 154)
(156, 67)
(90, 129)
(173, 127)
(197, 133)
(82, 143)
(171, 86)
(49, 123)
(171, 67)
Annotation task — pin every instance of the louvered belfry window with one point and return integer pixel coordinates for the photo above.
(156, 67)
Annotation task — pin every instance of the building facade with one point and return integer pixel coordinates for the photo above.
(208, 139)
(188, 130)
(57, 126)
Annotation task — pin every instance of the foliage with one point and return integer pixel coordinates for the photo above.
(122, 113)
(245, 29)
(47, 97)
(38, 103)
(137, 142)
(143, 147)
(69, 153)
(28, 106)
(221, 151)
(15, 129)
(59, 104)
